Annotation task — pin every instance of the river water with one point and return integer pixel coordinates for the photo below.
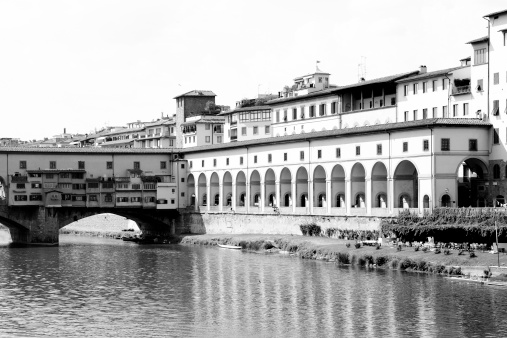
(104, 287)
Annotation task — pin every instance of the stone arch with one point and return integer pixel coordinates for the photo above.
(286, 187)
(240, 192)
(358, 183)
(338, 186)
(270, 188)
(445, 201)
(302, 187)
(202, 193)
(214, 198)
(227, 189)
(406, 182)
(191, 190)
(379, 185)
(381, 200)
(471, 173)
(404, 201)
(255, 188)
(3, 190)
(426, 201)
(319, 187)
(359, 200)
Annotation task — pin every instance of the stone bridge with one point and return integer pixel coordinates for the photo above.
(41, 225)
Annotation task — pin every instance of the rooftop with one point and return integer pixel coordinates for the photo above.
(430, 74)
(196, 92)
(89, 150)
(495, 13)
(483, 39)
(245, 109)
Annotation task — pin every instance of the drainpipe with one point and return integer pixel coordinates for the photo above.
(489, 27)
(448, 97)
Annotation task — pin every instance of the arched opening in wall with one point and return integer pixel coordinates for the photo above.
(270, 187)
(303, 200)
(257, 199)
(446, 201)
(338, 184)
(426, 201)
(286, 186)
(227, 189)
(204, 200)
(381, 201)
(271, 200)
(499, 201)
(255, 188)
(340, 201)
(379, 185)
(472, 176)
(287, 200)
(3, 186)
(496, 172)
(404, 201)
(358, 176)
(201, 193)
(214, 190)
(217, 199)
(103, 225)
(359, 201)
(191, 190)
(406, 184)
(321, 200)
(319, 187)
(301, 186)
(5, 236)
(239, 194)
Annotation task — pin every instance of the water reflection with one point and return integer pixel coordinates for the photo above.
(98, 287)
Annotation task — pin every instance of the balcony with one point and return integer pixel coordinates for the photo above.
(461, 90)
(19, 179)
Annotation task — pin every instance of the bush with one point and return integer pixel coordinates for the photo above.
(361, 261)
(310, 229)
(407, 263)
(368, 259)
(447, 252)
(357, 245)
(472, 254)
(421, 265)
(347, 245)
(394, 263)
(416, 248)
(380, 260)
(343, 258)
(439, 268)
(398, 248)
(437, 251)
(425, 249)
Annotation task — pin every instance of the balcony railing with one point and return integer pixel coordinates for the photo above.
(461, 90)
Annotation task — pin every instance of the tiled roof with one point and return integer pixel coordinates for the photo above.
(196, 92)
(430, 74)
(495, 13)
(484, 38)
(116, 142)
(89, 150)
(377, 128)
(55, 171)
(239, 110)
(390, 78)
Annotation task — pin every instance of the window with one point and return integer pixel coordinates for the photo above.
(379, 149)
(80, 164)
(312, 111)
(465, 109)
(208, 139)
(454, 110)
(472, 145)
(241, 160)
(255, 130)
(294, 113)
(393, 101)
(415, 114)
(444, 112)
(207, 127)
(36, 197)
(445, 144)
(284, 157)
(191, 164)
(505, 38)
(93, 185)
(214, 162)
(137, 165)
(496, 78)
(301, 155)
(77, 198)
(20, 198)
(302, 112)
(183, 180)
(405, 116)
(322, 109)
(163, 164)
(22, 164)
(243, 131)
(135, 199)
(227, 161)
(285, 115)
(36, 186)
(358, 150)
(425, 87)
(109, 165)
(435, 112)
(333, 108)
(496, 136)
(405, 90)
(480, 86)
(202, 163)
(108, 198)
(426, 145)
(219, 139)
(480, 56)
(266, 129)
(434, 85)
(416, 87)
(52, 164)
(20, 186)
(78, 176)
(319, 153)
(277, 116)
(93, 198)
(444, 84)
(425, 114)
(405, 147)
(49, 176)
(269, 158)
(496, 108)
(338, 152)
(496, 171)
(255, 158)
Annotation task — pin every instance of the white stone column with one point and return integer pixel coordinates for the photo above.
(233, 197)
(196, 193)
(208, 195)
(247, 197)
(262, 202)
(277, 194)
(221, 197)
(390, 194)
(293, 195)
(310, 197)
(367, 195)
(329, 200)
(348, 195)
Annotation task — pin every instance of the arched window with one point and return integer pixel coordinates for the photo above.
(322, 200)
(426, 201)
(272, 200)
(242, 200)
(446, 201)
(381, 201)
(496, 172)
(217, 199)
(204, 199)
(192, 199)
(229, 200)
(404, 202)
(340, 201)
(360, 201)
(303, 200)
(287, 200)
(257, 197)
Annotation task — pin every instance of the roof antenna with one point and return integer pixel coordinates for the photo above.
(361, 70)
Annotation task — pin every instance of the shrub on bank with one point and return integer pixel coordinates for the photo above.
(310, 229)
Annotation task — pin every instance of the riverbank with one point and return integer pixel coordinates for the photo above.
(345, 252)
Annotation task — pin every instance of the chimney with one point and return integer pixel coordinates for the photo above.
(422, 69)
(65, 130)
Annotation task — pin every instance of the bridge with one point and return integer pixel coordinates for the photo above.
(43, 190)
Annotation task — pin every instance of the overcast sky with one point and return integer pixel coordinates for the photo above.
(81, 65)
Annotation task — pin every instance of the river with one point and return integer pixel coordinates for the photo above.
(104, 287)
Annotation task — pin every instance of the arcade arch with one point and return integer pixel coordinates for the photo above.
(406, 185)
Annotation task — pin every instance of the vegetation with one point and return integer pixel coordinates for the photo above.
(310, 229)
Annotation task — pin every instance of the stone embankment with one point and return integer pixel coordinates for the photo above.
(345, 252)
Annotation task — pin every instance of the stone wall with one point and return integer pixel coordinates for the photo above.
(218, 223)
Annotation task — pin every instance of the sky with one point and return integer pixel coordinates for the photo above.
(83, 65)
